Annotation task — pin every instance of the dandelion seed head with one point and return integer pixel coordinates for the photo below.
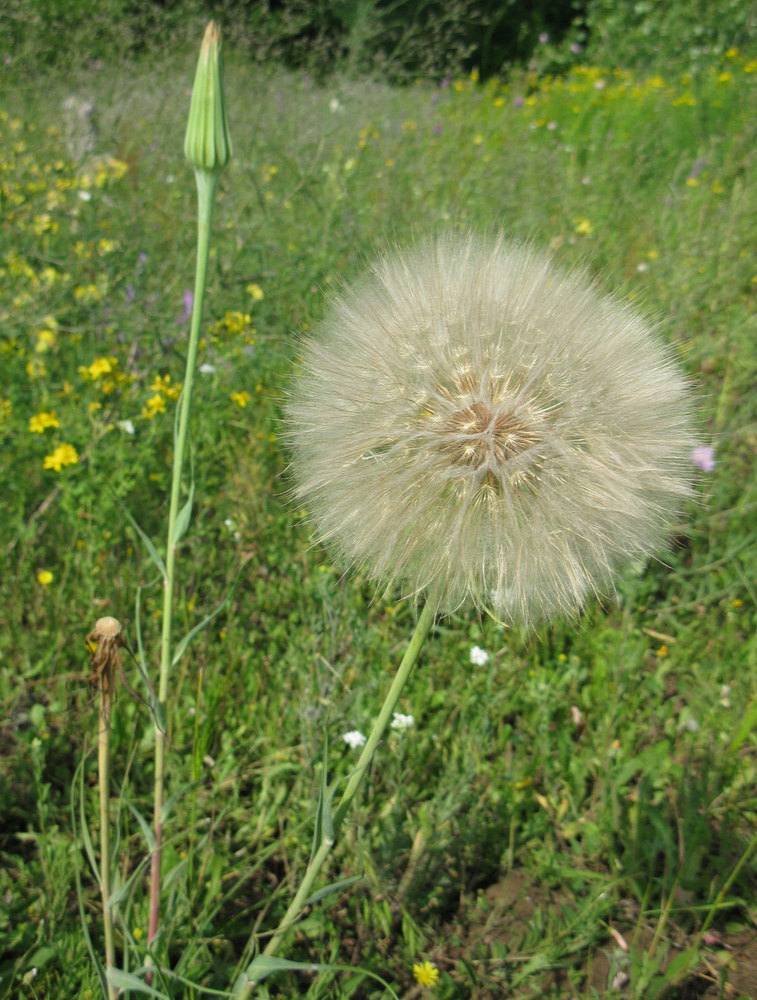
(474, 425)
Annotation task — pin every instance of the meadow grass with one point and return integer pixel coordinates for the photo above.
(565, 815)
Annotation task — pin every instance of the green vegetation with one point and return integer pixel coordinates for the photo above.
(574, 811)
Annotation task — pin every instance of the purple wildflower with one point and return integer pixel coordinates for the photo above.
(703, 457)
(697, 167)
(187, 310)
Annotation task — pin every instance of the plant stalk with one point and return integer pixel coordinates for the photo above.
(207, 184)
(245, 985)
(103, 770)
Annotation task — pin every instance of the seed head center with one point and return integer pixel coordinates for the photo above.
(481, 434)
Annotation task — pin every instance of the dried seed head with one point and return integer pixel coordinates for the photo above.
(473, 424)
(107, 628)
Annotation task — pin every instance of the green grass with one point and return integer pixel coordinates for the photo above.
(581, 782)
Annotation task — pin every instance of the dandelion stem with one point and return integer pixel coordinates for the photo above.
(247, 982)
(379, 726)
(103, 767)
(207, 183)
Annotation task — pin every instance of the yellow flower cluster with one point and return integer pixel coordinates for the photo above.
(163, 384)
(39, 423)
(231, 324)
(106, 372)
(64, 454)
(98, 368)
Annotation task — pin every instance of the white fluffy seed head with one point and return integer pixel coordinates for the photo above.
(472, 424)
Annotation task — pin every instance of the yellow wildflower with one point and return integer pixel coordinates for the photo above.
(425, 973)
(64, 454)
(41, 421)
(36, 368)
(584, 227)
(241, 398)
(162, 383)
(99, 367)
(44, 577)
(255, 291)
(45, 340)
(155, 404)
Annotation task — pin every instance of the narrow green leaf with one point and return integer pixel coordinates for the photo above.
(265, 965)
(681, 964)
(89, 849)
(153, 552)
(143, 825)
(327, 890)
(126, 981)
(182, 644)
(183, 517)
(77, 786)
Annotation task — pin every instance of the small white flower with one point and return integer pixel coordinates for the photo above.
(725, 696)
(335, 105)
(400, 721)
(126, 426)
(207, 369)
(85, 195)
(479, 657)
(354, 739)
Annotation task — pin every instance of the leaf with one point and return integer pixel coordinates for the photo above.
(265, 965)
(126, 981)
(681, 964)
(148, 545)
(324, 817)
(143, 825)
(182, 644)
(77, 786)
(184, 517)
(342, 883)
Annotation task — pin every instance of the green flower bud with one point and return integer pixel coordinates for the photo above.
(207, 144)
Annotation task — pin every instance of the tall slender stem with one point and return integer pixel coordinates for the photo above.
(245, 985)
(103, 770)
(207, 183)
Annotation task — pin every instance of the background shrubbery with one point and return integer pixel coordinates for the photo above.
(397, 39)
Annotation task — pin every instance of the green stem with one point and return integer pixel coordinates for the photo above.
(207, 183)
(103, 768)
(244, 985)
(725, 889)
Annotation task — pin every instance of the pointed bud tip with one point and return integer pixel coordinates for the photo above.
(207, 144)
